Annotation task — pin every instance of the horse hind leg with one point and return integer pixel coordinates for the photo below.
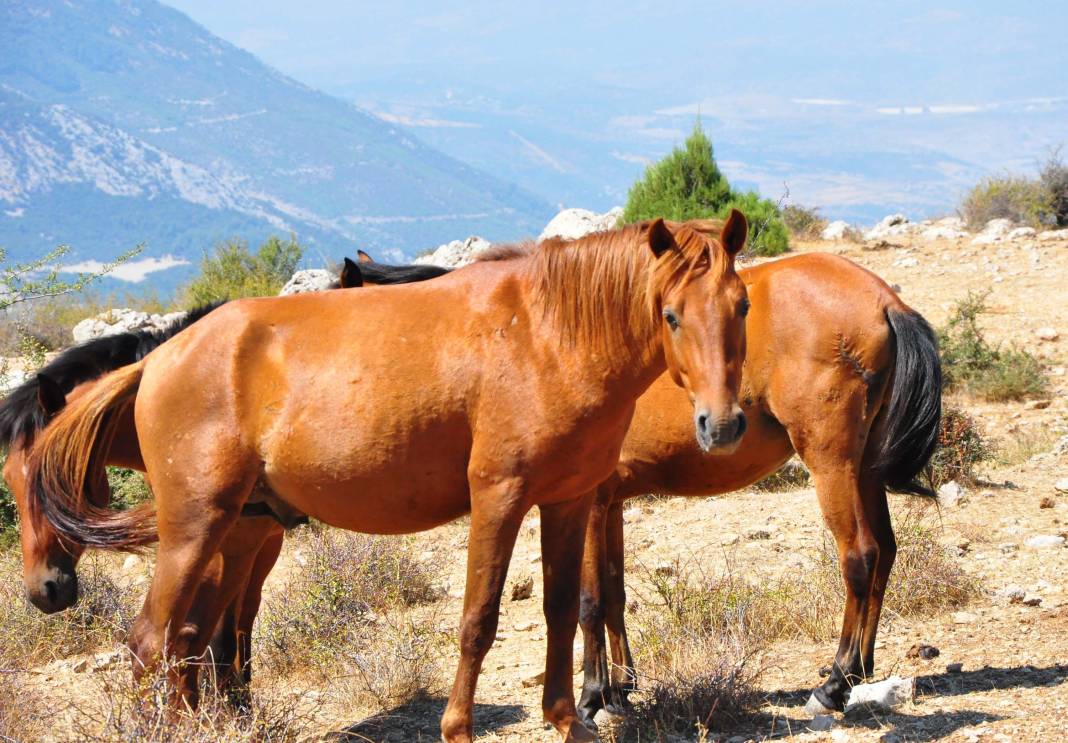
(624, 675)
(858, 558)
(877, 513)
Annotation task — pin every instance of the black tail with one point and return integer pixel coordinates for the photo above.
(915, 410)
(22, 415)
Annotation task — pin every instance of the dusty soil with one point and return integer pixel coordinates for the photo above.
(1014, 657)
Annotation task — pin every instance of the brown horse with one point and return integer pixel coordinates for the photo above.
(497, 388)
(838, 370)
(49, 562)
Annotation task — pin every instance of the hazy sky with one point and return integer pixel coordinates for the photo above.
(885, 53)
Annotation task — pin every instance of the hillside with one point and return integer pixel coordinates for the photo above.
(133, 111)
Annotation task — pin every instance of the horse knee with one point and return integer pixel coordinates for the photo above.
(477, 633)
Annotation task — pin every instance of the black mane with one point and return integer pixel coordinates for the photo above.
(21, 416)
(382, 273)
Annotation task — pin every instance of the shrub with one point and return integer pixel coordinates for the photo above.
(1007, 197)
(121, 710)
(331, 604)
(128, 488)
(971, 364)
(1054, 179)
(961, 446)
(804, 222)
(687, 184)
(768, 235)
(101, 617)
(9, 514)
(233, 271)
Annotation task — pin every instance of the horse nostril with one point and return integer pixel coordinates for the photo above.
(702, 423)
(742, 424)
(51, 591)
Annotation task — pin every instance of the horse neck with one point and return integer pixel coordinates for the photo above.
(594, 291)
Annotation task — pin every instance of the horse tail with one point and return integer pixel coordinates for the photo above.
(68, 458)
(914, 413)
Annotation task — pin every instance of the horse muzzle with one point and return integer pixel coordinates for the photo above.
(57, 591)
(721, 435)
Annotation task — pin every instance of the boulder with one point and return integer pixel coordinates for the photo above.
(948, 228)
(571, 224)
(950, 493)
(995, 231)
(454, 254)
(891, 226)
(1051, 235)
(310, 280)
(836, 230)
(1020, 233)
(1045, 541)
(122, 320)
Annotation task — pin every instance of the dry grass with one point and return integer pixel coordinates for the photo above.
(121, 710)
(790, 476)
(357, 611)
(99, 619)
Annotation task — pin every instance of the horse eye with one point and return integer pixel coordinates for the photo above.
(672, 320)
(743, 308)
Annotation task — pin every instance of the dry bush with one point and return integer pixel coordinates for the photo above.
(122, 710)
(104, 611)
(20, 715)
(790, 476)
(804, 222)
(961, 446)
(1016, 198)
(347, 613)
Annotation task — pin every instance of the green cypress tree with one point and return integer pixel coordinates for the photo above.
(687, 184)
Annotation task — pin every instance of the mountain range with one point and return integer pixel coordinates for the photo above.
(125, 123)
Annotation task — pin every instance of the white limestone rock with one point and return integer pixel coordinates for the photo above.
(309, 280)
(893, 692)
(893, 225)
(995, 231)
(455, 254)
(836, 230)
(571, 224)
(121, 320)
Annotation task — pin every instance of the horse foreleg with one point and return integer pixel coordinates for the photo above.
(563, 531)
(495, 521)
(250, 603)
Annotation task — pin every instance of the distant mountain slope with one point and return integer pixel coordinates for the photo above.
(125, 122)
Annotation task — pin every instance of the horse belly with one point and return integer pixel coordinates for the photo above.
(377, 490)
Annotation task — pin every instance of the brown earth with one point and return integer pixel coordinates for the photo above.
(1014, 657)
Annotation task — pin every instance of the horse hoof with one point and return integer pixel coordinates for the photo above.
(577, 732)
(815, 707)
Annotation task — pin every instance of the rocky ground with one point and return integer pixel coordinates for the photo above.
(1003, 665)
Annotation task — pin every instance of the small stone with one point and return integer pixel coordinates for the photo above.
(954, 668)
(951, 494)
(523, 588)
(1047, 502)
(887, 694)
(1047, 334)
(1037, 405)
(1061, 486)
(926, 652)
(821, 723)
(525, 626)
(905, 262)
(1045, 541)
(131, 563)
(535, 680)
(1008, 547)
(758, 535)
(1031, 600)
(964, 617)
(730, 539)
(632, 514)
(81, 665)
(1013, 594)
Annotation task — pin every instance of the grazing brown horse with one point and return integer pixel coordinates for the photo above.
(838, 370)
(503, 386)
(49, 562)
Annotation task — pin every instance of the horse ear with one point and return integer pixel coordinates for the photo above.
(735, 233)
(660, 238)
(363, 257)
(49, 396)
(351, 275)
